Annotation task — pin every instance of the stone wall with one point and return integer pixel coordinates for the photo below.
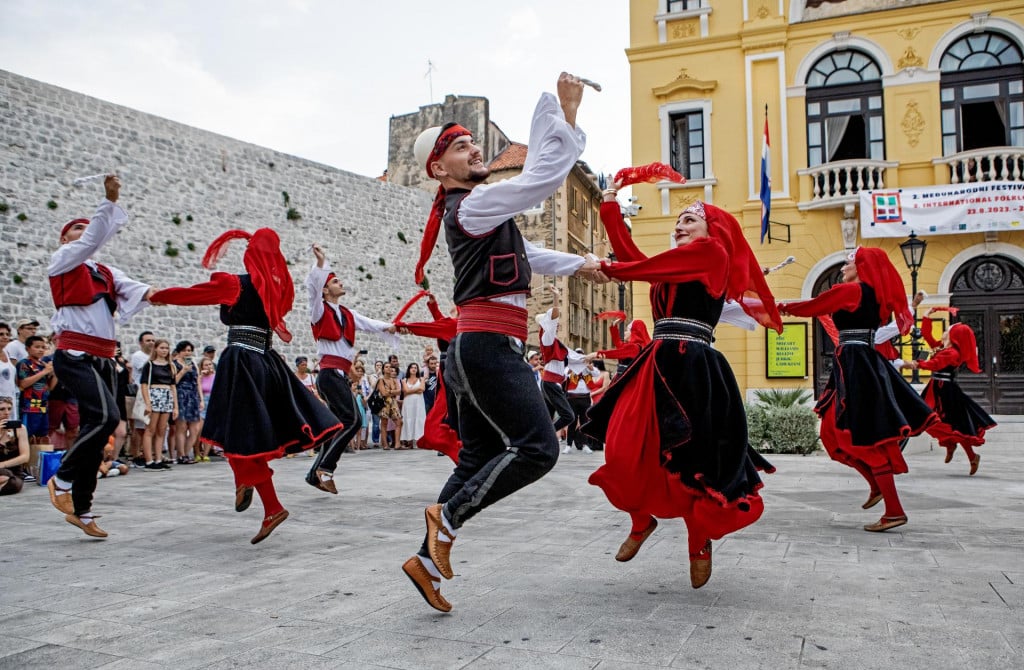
(182, 187)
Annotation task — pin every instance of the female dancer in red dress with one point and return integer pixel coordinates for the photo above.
(961, 420)
(673, 424)
(259, 410)
(867, 408)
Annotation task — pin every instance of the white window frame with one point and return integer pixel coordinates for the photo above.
(665, 113)
(664, 16)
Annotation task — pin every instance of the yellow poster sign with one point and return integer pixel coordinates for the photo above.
(786, 352)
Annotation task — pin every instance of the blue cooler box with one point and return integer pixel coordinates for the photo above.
(49, 461)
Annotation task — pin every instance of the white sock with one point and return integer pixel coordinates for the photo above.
(114, 472)
(441, 537)
(86, 518)
(61, 484)
(326, 476)
(429, 565)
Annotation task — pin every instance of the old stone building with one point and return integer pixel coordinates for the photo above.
(567, 221)
(183, 187)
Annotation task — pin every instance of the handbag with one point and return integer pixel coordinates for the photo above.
(375, 402)
(139, 408)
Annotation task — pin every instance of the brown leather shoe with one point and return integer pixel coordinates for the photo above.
(243, 498)
(269, 524)
(949, 453)
(629, 548)
(440, 552)
(90, 529)
(873, 499)
(323, 484)
(974, 463)
(700, 567)
(428, 585)
(62, 502)
(885, 523)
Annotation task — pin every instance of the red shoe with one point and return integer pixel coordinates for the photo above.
(269, 524)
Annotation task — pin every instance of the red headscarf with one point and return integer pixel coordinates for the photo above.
(638, 333)
(962, 337)
(747, 285)
(67, 226)
(269, 271)
(449, 134)
(876, 270)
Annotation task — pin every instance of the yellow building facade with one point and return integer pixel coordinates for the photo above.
(860, 95)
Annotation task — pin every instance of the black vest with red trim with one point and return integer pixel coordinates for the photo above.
(332, 327)
(486, 266)
(83, 286)
(556, 351)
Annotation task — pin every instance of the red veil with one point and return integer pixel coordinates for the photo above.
(962, 337)
(876, 270)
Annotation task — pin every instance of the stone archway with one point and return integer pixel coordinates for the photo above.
(824, 348)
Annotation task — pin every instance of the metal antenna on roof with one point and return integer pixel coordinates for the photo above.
(429, 76)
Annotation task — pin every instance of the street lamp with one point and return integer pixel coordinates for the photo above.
(913, 255)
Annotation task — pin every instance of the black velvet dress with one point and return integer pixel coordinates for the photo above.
(674, 424)
(258, 407)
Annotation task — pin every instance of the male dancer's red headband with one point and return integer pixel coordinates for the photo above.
(69, 224)
(448, 135)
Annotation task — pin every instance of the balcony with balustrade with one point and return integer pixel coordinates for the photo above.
(838, 184)
(980, 165)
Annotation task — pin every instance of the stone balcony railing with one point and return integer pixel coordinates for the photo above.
(837, 184)
(988, 164)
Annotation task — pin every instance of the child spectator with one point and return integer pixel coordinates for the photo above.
(36, 380)
(111, 467)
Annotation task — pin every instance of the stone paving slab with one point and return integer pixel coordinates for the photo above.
(178, 585)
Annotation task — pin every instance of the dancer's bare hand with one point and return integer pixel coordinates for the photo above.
(318, 251)
(570, 94)
(591, 269)
(112, 185)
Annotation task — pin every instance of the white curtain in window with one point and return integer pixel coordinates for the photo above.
(835, 128)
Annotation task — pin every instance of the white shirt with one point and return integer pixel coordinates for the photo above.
(138, 360)
(549, 326)
(95, 319)
(315, 281)
(554, 147)
(16, 351)
(578, 365)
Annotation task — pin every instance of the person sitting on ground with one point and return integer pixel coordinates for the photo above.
(14, 450)
(111, 467)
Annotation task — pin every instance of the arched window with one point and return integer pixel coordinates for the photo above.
(982, 93)
(844, 108)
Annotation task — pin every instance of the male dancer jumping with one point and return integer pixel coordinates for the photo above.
(86, 295)
(508, 440)
(334, 328)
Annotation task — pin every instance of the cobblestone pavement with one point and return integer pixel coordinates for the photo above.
(177, 584)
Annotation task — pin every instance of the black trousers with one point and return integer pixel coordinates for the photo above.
(336, 388)
(557, 403)
(92, 381)
(507, 438)
(580, 403)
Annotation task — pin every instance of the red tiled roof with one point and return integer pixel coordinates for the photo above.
(514, 157)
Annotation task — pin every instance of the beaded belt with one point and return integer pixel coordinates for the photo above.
(944, 376)
(674, 328)
(857, 336)
(252, 338)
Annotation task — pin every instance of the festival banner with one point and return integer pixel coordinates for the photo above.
(952, 209)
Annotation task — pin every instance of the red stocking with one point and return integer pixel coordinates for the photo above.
(641, 522)
(969, 450)
(887, 485)
(866, 473)
(271, 505)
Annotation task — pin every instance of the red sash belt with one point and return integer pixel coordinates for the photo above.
(90, 344)
(546, 376)
(493, 317)
(329, 362)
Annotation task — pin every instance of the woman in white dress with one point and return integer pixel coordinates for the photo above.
(414, 410)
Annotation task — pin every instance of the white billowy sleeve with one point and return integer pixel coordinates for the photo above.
(315, 281)
(131, 295)
(554, 148)
(887, 332)
(103, 225)
(733, 314)
(552, 262)
(367, 325)
(549, 326)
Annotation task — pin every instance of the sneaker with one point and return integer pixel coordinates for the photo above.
(139, 462)
(566, 449)
(153, 466)
(587, 450)
(164, 465)
(28, 478)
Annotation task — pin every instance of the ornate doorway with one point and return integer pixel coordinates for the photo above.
(989, 291)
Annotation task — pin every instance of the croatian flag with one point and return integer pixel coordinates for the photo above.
(766, 182)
